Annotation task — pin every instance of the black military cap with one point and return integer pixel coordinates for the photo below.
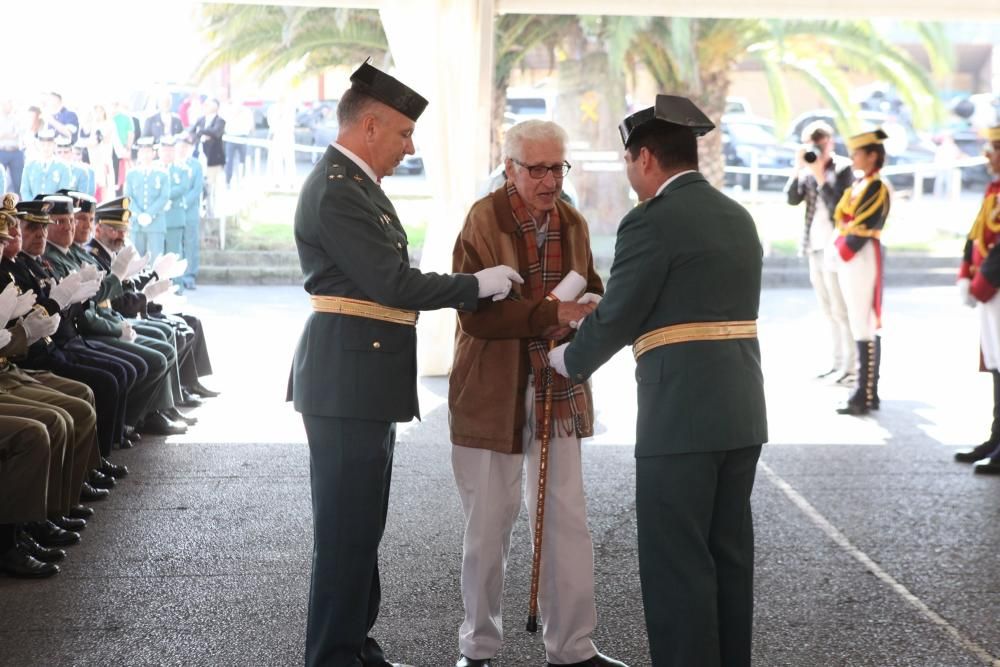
(168, 140)
(81, 200)
(35, 211)
(47, 134)
(120, 202)
(113, 216)
(669, 109)
(145, 142)
(388, 90)
(61, 204)
(64, 142)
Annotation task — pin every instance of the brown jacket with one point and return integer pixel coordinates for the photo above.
(490, 371)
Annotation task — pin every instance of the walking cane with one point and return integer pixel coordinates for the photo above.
(543, 473)
(568, 288)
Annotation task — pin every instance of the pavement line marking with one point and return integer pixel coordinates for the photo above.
(841, 540)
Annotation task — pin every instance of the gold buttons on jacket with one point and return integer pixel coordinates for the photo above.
(377, 345)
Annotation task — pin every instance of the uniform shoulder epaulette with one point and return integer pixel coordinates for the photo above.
(336, 172)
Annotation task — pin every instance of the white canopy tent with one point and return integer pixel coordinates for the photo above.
(443, 49)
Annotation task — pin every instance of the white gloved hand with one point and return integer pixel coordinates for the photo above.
(62, 293)
(164, 265)
(496, 281)
(8, 303)
(5, 337)
(128, 333)
(86, 290)
(38, 324)
(136, 266)
(964, 293)
(180, 268)
(155, 288)
(120, 264)
(144, 219)
(24, 303)
(589, 297)
(557, 359)
(89, 272)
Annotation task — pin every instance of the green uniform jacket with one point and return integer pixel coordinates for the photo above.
(89, 320)
(351, 244)
(690, 254)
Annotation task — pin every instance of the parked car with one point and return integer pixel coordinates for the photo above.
(747, 140)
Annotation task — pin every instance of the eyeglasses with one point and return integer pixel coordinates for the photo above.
(538, 171)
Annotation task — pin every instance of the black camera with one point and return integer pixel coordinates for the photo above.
(812, 154)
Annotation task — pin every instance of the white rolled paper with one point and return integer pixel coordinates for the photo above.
(570, 287)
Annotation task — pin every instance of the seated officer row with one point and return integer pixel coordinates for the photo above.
(88, 361)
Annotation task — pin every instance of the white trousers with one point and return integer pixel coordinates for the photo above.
(857, 284)
(989, 332)
(831, 303)
(489, 484)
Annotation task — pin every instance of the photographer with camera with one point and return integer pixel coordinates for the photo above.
(820, 180)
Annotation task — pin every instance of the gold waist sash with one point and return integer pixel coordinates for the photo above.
(692, 331)
(341, 305)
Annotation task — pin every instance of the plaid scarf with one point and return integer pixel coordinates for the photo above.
(569, 404)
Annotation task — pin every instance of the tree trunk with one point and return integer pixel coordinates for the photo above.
(590, 115)
(712, 101)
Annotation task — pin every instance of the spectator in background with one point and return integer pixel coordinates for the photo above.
(101, 152)
(11, 144)
(945, 155)
(65, 122)
(281, 156)
(192, 209)
(239, 125)
(164, 121)
(34, 125)
(209, 130)
(190, 109)
(121, 142)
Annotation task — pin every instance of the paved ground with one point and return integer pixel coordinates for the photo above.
(873, 547)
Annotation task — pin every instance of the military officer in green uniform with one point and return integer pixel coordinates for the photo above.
(355, 367)
(45, 174)
(684, 291)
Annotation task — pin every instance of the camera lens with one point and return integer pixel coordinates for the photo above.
(810, 155)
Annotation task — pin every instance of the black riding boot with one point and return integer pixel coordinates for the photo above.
(983, 450)
(860, 401)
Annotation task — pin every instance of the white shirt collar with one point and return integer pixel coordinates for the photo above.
(356, 160)
(672, 179)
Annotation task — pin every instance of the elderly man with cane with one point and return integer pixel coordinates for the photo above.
(497, 403)
(684, 291)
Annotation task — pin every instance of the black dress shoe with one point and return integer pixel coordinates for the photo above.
(855, 409)
(81, 512)
(37, 551)
(90, 494)
(188, 400)
(99, 480)
(597, 661)
(69, 523)
(464, 661)
(132, 434)
(48, 534)
(112, 469)
(175, 415)
(988, 467)
(977, 453)
(201, 390)
(157, 424)
(18, 563)
(125, 443)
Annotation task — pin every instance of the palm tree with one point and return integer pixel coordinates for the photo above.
(695, 58)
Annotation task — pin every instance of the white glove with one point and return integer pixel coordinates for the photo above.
(557, 359)
(120, 264)
(164, 265)
(89, 272)
(38, 324)
(496, 281)
(8, 303)
(62, 293)
(589, 297)
(137, 265)
(86, 290)
(963, 285)
(5, 337)
(128, 333)
(180, 268)
(24, 303)
(155, 288)
(144, 219)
